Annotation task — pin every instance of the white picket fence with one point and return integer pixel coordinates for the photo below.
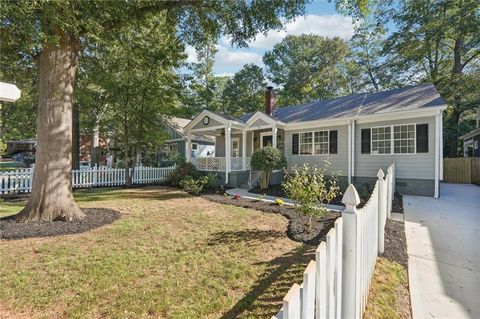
(20, 180)
(336, 284)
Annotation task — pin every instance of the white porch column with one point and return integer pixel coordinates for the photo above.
(188, 147)
(244, 150)
(437, 155)
(274, 136)
(228, 150)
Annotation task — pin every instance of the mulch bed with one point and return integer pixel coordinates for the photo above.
(396, 242)
(95, 217)
(296, 228)
(397, 203)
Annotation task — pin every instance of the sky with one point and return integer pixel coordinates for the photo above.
(320, 18)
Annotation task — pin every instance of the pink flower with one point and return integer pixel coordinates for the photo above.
(236, 196)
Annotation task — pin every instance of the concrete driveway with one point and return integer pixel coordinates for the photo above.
(443, 237)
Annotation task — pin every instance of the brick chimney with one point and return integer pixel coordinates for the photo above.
(270, 100)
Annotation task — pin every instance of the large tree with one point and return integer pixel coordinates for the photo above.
(245, 91)
(54, 32)
(307, 67)
(439, 42)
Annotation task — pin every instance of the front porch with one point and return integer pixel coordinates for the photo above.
(235, 141)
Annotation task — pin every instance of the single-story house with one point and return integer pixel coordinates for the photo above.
(174, 148)
(472, 139)
(21, 146)
(357, 134)
(471, 142)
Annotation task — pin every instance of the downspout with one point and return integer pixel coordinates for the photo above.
(437, 155)
(349, 151)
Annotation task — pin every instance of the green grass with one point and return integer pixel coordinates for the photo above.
(388, 296)
(169, 256)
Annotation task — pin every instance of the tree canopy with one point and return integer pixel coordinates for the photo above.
(306, 67)
(245, 91)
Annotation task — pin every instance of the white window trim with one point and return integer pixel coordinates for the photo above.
(313, 143)
(392, 140)
(262, 134)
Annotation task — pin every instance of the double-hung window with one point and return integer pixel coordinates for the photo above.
(306, 143)
(381, 140)
(314, 143)
(321, 142)
(404, 139)
(395, 139)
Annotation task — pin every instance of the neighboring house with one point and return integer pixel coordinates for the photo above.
(471, 140)
(86, 149)
(175, 146)
(21, 146)
(357, 134)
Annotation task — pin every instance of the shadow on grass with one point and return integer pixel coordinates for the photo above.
(248, 236)
(128, 194)
(265, 298)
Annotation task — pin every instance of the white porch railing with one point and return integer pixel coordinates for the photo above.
(217, 164)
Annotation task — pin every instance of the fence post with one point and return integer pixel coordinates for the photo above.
(382, 211)
(292, 303)
(351, 255)
(389, 190)
(308, 298)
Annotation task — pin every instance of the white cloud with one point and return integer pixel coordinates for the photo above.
(325, 25)
(222, 74)
(191, 54)
(235, 59)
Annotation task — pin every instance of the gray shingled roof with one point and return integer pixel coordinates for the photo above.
(410, 98)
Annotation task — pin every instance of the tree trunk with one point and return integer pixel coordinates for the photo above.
(453, 142)
(52, 197)
(75, 138)
(95, 142)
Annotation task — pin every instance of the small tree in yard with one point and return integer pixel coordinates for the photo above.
(310, 188)
(266, 160)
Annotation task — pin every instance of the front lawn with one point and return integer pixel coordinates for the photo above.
(170, 255)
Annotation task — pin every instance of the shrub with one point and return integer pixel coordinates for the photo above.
(266, 160)
(309, 188)
(192, 185)
(181, 172)
(213, 182)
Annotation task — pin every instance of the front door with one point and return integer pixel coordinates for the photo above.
(235, 147)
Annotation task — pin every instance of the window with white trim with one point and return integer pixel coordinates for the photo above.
(381, 140)
(320, 145)
(314, 143)
(170, 150)
(305, 143)
(394, 139)
(404, 139)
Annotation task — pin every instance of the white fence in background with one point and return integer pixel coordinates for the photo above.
(20, 180)
(336, 284)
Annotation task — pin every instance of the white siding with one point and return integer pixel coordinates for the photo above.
(339, 161)
(415, 166)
